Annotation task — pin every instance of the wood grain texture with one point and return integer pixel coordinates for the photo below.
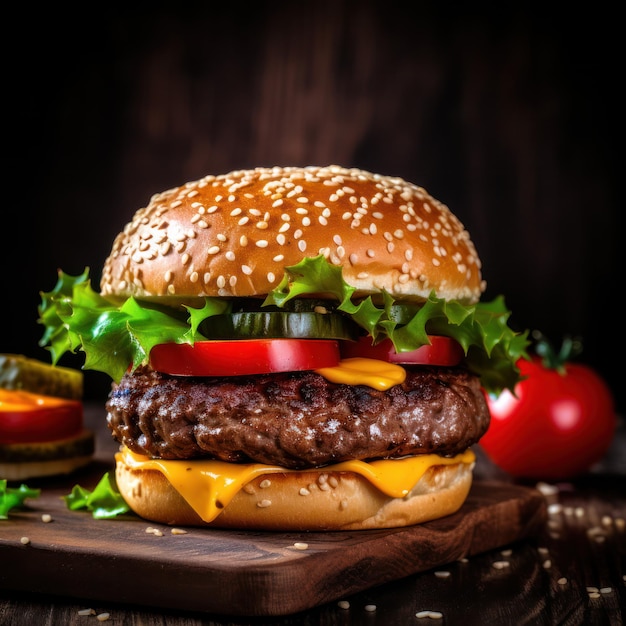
(244, 573)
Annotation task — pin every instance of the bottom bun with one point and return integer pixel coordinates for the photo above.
(305, 500)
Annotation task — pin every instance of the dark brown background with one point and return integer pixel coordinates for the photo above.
(513, 119)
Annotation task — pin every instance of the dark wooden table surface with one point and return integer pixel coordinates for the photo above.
(572, 571)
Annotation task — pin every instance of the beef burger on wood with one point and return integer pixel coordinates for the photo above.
(292, 348)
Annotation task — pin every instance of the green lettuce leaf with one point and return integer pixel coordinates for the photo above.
(114, 337)
(117, 336)
(104, 502)
(492, 348)
(13, 497)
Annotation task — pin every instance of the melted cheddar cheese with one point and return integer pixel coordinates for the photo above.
(18, 400)
(359, 371)
(208, 486)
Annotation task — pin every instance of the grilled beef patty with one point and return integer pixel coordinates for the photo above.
(296, 420)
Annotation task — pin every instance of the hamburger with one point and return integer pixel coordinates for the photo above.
(291, 348)
(42, 431)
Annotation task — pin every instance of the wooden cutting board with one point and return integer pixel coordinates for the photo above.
(243, 573)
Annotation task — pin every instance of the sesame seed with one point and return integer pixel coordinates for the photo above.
(343, 604)
(263, 504)
(25, 541)
(246, 269)
(46, 518)
(429, 614)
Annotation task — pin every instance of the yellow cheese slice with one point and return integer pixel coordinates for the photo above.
(359, 371)
(208, 486)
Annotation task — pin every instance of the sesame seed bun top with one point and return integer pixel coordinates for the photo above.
(233, 234)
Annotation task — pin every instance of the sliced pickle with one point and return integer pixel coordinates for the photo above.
(22, 373)
(80, 445)
(295, 305)
(279, 324)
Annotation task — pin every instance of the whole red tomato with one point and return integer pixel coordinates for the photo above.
(561, 422)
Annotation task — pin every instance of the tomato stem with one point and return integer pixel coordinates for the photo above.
(571, 347)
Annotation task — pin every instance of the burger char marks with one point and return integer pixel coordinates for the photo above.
(296, 420)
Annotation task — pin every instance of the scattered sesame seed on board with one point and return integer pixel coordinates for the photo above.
(429, 615)
(86, 612)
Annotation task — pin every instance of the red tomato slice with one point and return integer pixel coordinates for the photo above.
(29, 417)
(441, 351)
(243, 356)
